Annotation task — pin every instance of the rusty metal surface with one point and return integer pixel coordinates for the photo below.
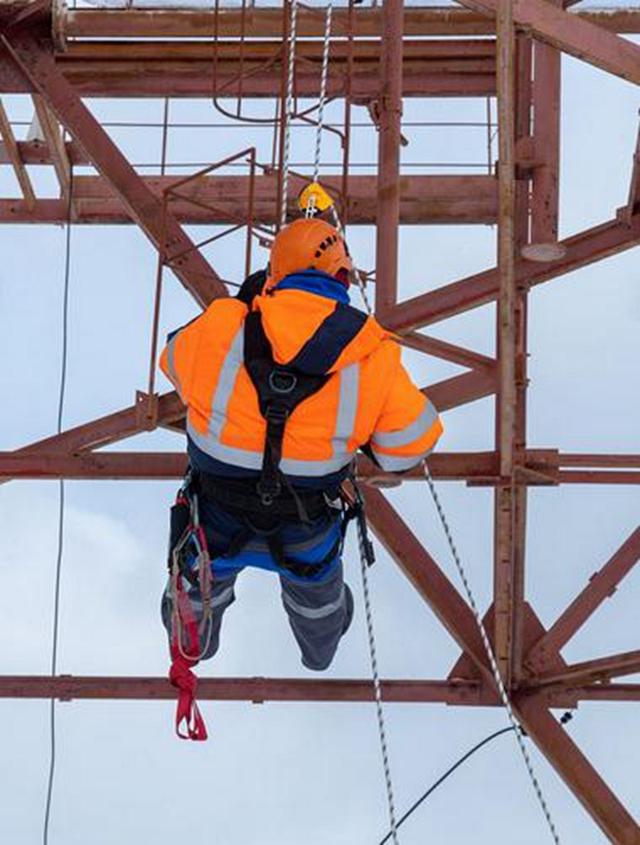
(222, 199)
(524, 201)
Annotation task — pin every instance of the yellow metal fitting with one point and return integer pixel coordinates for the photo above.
(315, 197)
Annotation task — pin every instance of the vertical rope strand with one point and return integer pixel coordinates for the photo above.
(286, 152)
(61, 514)
(323, 91)
(504, 696)
(377, 691)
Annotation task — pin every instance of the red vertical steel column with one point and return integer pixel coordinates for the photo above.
(506, 406)
(546, 134)
(390, 117)
(519, 489)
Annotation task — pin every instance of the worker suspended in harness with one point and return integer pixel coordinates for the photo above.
(283, 384)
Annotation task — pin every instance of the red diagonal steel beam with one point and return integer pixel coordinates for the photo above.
(125, 423)
(460, 390)
(600, 587)
(573, 35)
(426, 576)
(36, 62)
(577, 772)
(591, 671)
(580, 250)
(447, 351)
(105, 430)
(608, 692)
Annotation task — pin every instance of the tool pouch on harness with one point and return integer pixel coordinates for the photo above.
(280, 390)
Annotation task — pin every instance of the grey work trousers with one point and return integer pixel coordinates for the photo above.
(319, 614)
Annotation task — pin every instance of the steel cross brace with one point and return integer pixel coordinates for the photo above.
(32, 51)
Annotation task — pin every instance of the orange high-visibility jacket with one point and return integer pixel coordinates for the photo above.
(369, 397)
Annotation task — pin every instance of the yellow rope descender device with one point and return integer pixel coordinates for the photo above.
(314, 199)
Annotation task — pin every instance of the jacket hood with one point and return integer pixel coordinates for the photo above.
(293, 314)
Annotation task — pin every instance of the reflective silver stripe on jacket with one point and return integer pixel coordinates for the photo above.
(399, 463)
(347, 409)
(414, 431)
(314, 612)
(226, 381)
(171, 363)
(247, 459)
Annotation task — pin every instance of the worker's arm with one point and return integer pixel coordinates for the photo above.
(176, 359)
(408, 427)
(179, 357)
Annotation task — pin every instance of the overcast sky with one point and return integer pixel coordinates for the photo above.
(291, 773)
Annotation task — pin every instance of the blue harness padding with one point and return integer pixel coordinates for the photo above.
(305, 543)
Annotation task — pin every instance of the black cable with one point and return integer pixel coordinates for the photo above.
(61, 511)
(564, 719)
(443, 777)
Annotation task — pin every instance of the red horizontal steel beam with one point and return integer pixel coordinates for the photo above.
(601, 586)
(267, 22)
(577, 772)
(598, 477)
(223, 200)
(478, 468)
(479, 52)
(581, 250)
(447, 68)
(165, 465)
(592, 671)
(570, 459)
(573, 35)
(32, 53)
(257, 690)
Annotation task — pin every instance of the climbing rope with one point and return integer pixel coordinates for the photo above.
(504, 696)
(377, 688)
(288, 111)
(311, 206)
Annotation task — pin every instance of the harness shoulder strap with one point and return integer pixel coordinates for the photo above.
(280, 390)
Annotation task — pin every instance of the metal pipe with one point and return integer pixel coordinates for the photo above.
(390, 118)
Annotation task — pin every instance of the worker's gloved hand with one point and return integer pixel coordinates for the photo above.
(252, 286)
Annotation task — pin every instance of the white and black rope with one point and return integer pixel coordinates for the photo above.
(310, 211)
(288, 111)
(504, 696)
(377, 688)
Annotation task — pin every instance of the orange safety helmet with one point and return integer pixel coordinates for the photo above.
(309, 244)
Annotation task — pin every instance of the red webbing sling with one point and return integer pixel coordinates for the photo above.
(180, 674)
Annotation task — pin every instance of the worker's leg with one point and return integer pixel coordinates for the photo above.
(319, 614)
(222, 597)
